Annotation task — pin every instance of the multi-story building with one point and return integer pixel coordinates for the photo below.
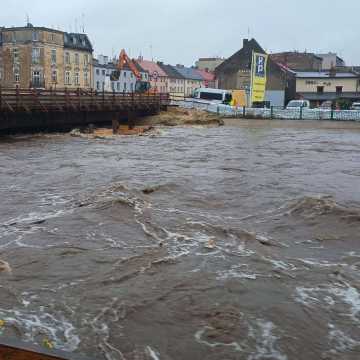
(327, 86)
(157, 76)
(235, 74)
(108, 78)
(40, 57)
(300, 61)
(209, 64)
(176, 81)
(193, 80)
(209, 78)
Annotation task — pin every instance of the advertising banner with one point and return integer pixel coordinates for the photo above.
(258, 77)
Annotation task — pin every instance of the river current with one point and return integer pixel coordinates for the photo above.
(238, 242)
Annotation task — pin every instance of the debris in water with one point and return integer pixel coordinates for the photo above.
(2, 324)
(211, 244)
(5, 267)
(48, 344)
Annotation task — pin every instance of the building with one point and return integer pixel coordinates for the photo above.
(300, 61)
(77, 61)
(157, 76)
(209, 78)
(235, 74)
(331, 60)
(193, 80)
(176, 81)
(40, 57)
(108, 78)
(209, 64)
(327, 85)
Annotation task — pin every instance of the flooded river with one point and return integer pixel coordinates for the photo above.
(239, 242)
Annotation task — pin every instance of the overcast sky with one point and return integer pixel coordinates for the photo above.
(183, 30)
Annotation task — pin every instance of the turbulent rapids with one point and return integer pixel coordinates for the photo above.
(215, 243)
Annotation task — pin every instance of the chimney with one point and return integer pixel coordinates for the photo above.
(245, 42)
(332, 72)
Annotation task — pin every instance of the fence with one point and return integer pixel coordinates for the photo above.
(271, 113)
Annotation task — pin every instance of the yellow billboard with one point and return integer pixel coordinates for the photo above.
(258, 77)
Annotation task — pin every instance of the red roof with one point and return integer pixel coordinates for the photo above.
(152, 67)
(206, 75)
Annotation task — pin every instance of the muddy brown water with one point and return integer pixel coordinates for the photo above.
(239, 242)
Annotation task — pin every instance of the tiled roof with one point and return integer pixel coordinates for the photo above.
(171, 71)
(188, 73)
(152, 68)
(206, 75)
(324, 74)
(77, 41)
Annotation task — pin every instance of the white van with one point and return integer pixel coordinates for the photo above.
(298, 104)
(213, 95)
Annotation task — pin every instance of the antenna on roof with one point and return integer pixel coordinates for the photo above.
(83, 22)
(27, 19)
(249, 32)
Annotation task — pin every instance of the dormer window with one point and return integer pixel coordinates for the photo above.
(35, 36)
(84, 42)
(74, 40)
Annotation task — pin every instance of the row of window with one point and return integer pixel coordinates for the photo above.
(115, 86)
(36, 57)
(36, 76)
(176, 89)
(104, 72)
(320, 89)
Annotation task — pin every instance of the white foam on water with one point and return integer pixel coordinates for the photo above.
(266, 343)
(235, 273)
(340, 341)
(324, 263)
(280, 265)
(152, 353)
(199, 338)
(330, 296)
(35, 324)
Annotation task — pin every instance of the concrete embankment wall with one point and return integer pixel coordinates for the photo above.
(273, 113)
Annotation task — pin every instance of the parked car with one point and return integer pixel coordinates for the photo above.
(355, 106)
(298, 104)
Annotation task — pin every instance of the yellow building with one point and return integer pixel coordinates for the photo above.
(34, 57)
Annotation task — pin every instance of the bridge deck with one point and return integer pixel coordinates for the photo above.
(33, 100)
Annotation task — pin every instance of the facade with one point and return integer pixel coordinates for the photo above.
(107, 78)
(37, 57)
(176, 82)
(157, 76)
(331, 60)
(77, 61)
(235, 74)
(193, 80)
(209, 64)
(327, 85)
(299, 61)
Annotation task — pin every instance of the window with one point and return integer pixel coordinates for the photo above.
(17, 75)
(74, 40)
(124, 73)
(131, 75)
(118, 86)
(67, 78)
(103, 72)
(320, 89)
(36, 55)
(98, 85)
(54, 76)
(86, 78)
(113, 86)
(35, 36)
(339, 89)
(97, 72)
(86, 60)
(53, 56)
(67, 58)
(16, 55)
(76, 59)
(36, 79)
(76, 78)
(132, 87)
(124, 87)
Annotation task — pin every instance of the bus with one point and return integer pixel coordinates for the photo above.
(217, 96)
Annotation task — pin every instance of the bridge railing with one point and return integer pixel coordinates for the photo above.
(30, 100)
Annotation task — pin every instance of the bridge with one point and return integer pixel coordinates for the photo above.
(62, 109)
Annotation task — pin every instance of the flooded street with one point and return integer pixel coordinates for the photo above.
(238, 242)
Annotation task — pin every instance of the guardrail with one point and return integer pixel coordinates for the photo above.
(59, 100)
(271, 113)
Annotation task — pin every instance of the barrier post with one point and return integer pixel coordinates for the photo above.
(244, 111)
(271, 112)
(301, 112)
